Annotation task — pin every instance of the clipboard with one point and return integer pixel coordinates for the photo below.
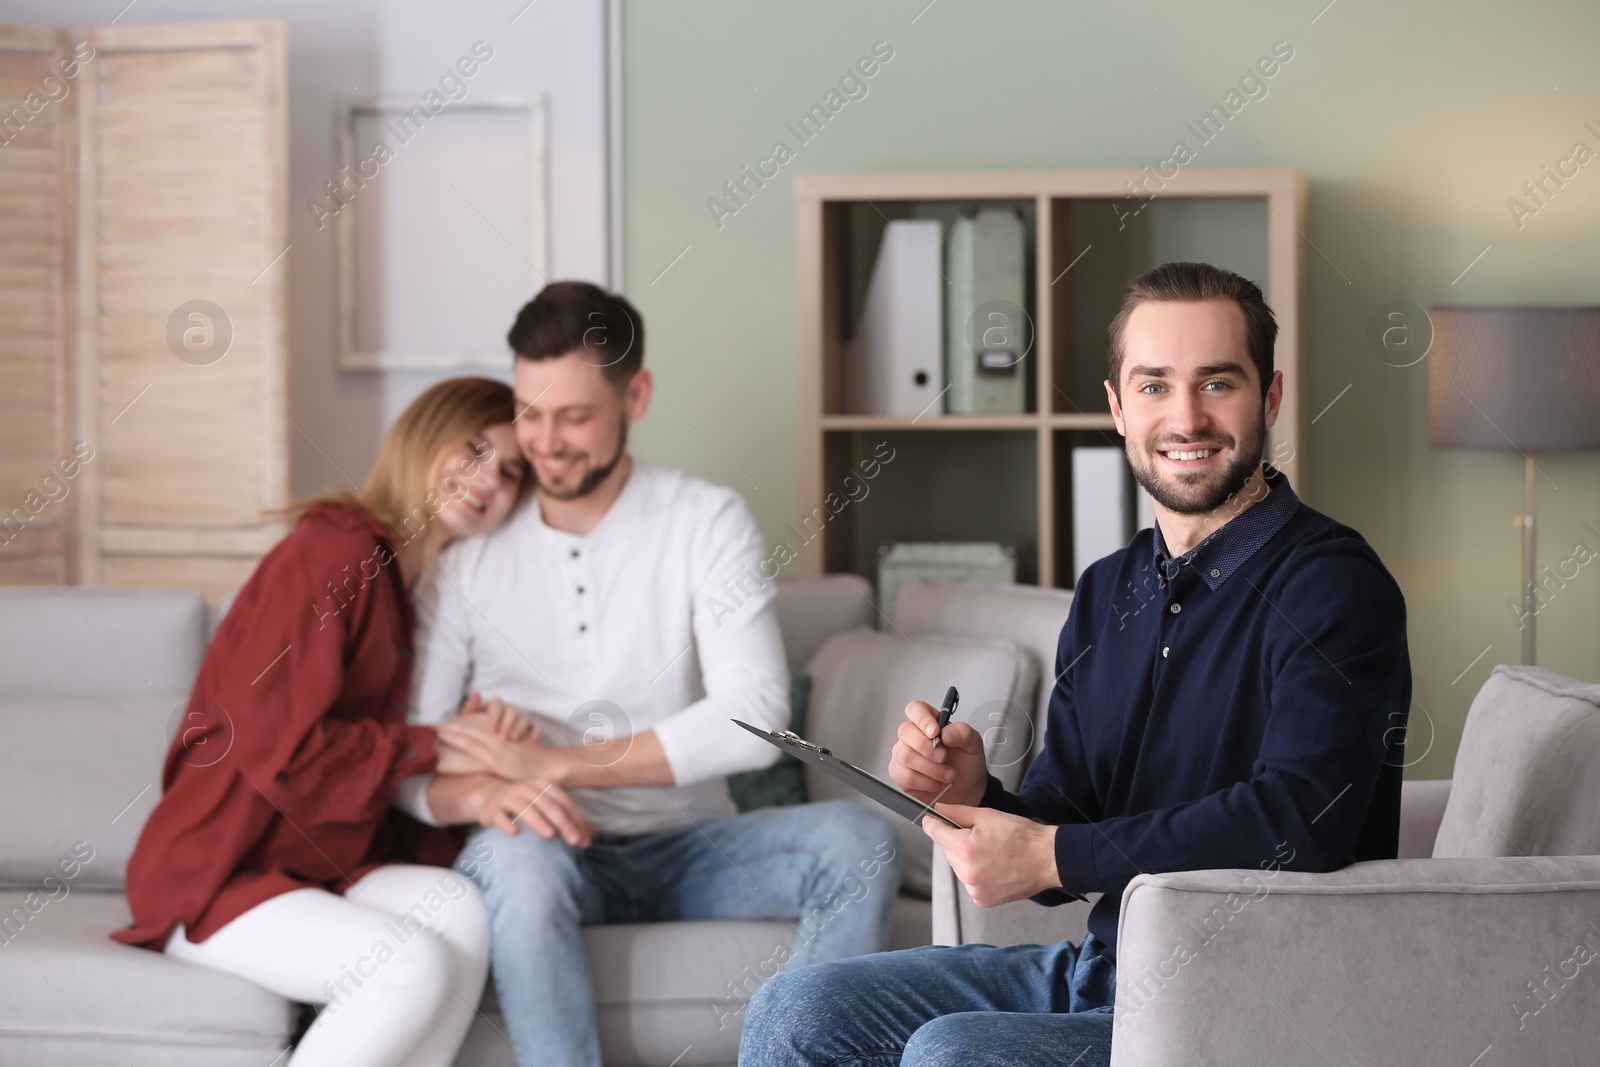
(867, 785)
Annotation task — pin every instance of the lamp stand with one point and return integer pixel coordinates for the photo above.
(1530, 604)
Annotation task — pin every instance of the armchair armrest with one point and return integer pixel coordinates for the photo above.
(1396, 961)
(958, 921)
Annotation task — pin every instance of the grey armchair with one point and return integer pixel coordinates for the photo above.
(1480, 945)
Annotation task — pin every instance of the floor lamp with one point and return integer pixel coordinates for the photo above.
(1522, 378)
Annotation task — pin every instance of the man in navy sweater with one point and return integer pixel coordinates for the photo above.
(1231, 691)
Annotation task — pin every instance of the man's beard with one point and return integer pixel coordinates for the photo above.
(1193, 497)
(590, 481)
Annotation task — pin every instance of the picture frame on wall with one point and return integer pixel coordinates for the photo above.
(441, 223)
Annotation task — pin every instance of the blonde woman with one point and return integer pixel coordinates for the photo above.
(274, 853)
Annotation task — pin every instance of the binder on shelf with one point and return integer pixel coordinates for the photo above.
(892, 364)
(1101, 508)
(987, 333)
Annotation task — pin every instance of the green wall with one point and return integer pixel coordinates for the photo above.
(1414, 124)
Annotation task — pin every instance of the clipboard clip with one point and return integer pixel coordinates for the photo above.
(795, 739)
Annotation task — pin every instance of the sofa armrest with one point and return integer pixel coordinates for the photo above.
(958, 921)
(1421, 811)
(1396, 961)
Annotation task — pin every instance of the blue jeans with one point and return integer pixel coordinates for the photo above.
(964, 1006)
(832, 867)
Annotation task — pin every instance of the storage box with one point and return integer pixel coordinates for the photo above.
(906, 561)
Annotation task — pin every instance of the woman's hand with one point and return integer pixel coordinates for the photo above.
(543, 807)
(486, 738)
(505, 720)
(474, 736)
(452, 760)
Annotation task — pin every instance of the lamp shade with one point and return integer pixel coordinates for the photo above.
(1514, 377)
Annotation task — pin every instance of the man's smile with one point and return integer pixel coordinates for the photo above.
(555, 468)
(1192, 457)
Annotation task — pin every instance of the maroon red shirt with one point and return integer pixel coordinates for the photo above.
(281, 774)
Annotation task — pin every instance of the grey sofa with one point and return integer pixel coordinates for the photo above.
(1479, 946)
(93, 683)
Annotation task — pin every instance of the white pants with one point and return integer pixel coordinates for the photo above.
(397, 964)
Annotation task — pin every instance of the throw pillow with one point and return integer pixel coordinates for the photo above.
(782, 783)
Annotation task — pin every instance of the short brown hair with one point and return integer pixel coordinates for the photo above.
(1192, 283)
(571, 316)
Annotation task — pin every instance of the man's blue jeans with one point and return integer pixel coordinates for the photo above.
(831, 867)
(963, 1006)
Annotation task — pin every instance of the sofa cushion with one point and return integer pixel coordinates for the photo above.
(684, 983)
(1029, 617)
(784, 782)
(861, 682)
(659, 988)
(86, 642)
(84, 998)
(679, 989)
(1526, 769)
(79, 776)
(672, 992)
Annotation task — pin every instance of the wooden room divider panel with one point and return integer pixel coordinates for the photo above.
(181, 355)
(174, 374)
(39, 473)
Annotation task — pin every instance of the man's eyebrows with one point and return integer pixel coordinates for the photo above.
(1205, 370)
(524, 405)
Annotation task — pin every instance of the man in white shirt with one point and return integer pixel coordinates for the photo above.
(590, 610)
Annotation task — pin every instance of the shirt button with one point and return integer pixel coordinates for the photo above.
(580, 589)
(280, 778)
(574, 553)
(1176, 608)
(1215, 573)
(399, 705)
(582, 627)
(1164, 650)
(412, 754)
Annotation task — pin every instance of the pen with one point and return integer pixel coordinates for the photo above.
(951, 699)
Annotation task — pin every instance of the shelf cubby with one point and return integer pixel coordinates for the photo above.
(1007, 478)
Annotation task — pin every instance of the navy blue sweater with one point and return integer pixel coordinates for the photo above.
(1248, 710)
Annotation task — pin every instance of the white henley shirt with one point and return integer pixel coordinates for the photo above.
(660, 618)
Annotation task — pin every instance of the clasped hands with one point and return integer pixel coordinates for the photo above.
(1000, 857)
(495, 737)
